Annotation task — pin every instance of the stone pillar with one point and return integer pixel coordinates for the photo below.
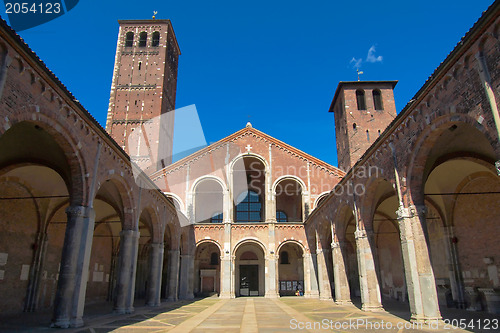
(310, 276)
(368, 281)
(226, 265)
(271, 276)
(173, 280)
(186, 277)
(454, 272)
(342, 292)
(325, 292)
(155, 273)
(72, 276)
(82, 272)
(420, 280)
(127, 263)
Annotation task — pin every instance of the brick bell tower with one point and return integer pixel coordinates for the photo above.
(144, 88)
(362, 111)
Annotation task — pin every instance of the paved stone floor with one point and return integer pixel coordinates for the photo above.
(258, 314)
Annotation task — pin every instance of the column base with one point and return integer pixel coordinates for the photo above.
(77, 322)
(372, 308)
(424, 319)
(344, 302)
(130, 310)
(153, 304)
(311, 294)
(226, 296)
(60, 323)
(272, 295)
(172, 299)
(325, 298)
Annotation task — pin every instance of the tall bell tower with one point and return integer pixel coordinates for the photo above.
(143, 89)
(362, 111)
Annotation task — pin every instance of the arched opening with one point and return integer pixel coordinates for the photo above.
(377, 100)
(460, 189)
(35, 190)
(165, 274)
(143, 37)
(249, 190)
(291, 269)
(360, 99)
(289, 199)
(207, 269)
(143, 257)
(129, 39)
(208, 201)
(387, 242)
(155, 41)
(103, 263)
(350, 251)
(249, 270)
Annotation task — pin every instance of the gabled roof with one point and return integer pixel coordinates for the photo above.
(239, 134)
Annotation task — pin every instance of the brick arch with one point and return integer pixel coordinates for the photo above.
(370, 202)
(124, 189)
(77, 183)
(341, 221)
(209, 241)
(153, 223)
(417, 158)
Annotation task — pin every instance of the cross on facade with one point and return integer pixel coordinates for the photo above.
(248, 147)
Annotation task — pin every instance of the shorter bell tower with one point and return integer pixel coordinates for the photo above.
(362, 111)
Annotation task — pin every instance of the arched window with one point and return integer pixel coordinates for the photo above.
(129, 39)
(214, 259)
(249, 208)
(354, 126)
(368, 135)
(156, 39)
(281, 216)
(377, 100)
(360, 99)
(143, 37)
(217, 218)
(284, 258)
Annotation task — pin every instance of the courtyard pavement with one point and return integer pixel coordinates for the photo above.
(258, 314)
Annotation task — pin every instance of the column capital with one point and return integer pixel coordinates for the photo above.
(360, 234)
(411, 211)
(130, 233)
(76, 211)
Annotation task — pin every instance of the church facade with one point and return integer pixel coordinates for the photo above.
(411, 214)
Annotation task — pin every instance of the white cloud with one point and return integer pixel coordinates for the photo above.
(371, 55)
(357, 62)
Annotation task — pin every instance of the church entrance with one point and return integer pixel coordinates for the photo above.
(249, 275)
(249, 280)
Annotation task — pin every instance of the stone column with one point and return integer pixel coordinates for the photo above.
(186, 277)
(87, 236)
(454, 272)
(67, 273)
(127, 260)
(368, 281)
(271, 276)
(325, 292)
(73, 273)
(225, 263)
(310, 276)
(155, 273)
(342, 292)
(420, 281)
(173, 280)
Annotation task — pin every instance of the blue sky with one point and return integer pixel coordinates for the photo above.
(275, 63)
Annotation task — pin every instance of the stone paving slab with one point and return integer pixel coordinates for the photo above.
(258, 314)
